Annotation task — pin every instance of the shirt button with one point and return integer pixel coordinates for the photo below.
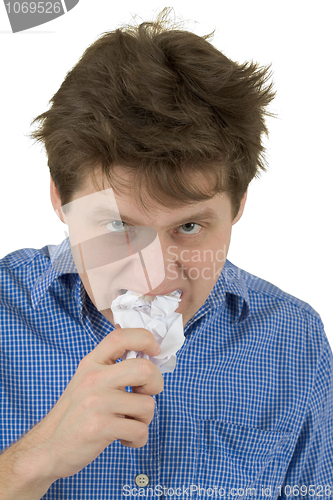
(141, 480)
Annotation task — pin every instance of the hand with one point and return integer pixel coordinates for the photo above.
(95, 408)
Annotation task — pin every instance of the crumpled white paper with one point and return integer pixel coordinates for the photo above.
(156, 314)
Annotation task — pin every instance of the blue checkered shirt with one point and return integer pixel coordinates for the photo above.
(248, 410)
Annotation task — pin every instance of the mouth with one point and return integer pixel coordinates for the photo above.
(122, 291)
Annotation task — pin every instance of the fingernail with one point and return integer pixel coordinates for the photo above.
(158, 350)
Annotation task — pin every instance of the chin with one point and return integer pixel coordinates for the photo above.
(107, 313)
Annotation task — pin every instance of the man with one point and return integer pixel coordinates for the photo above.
(152, 141)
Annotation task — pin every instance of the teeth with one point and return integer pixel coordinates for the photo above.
(149, 298)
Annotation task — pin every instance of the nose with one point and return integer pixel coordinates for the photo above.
(160, 266)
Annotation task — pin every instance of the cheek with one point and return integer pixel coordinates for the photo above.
(77, 231)
(105, 282)
(214, 251)
(206, 264)
(204, 272)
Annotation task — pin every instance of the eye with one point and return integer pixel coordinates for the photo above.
(189, 228)
(116, 226)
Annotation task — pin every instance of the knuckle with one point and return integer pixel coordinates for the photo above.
(148, 404)
(160, 385)
(93, 428)
(90, 379)
(142, 433)
(150, 339)
(146, 367)
(116, 336)
(91, 401)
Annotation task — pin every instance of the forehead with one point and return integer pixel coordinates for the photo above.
(123, 202)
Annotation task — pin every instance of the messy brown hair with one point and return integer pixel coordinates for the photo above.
(165, 104)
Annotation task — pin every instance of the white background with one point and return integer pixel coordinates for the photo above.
(285, 234)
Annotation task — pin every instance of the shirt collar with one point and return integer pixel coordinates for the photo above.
(230, 288)
(233, 279)
(60, 262)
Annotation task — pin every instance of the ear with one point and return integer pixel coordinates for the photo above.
(241, 208)
(56, 201)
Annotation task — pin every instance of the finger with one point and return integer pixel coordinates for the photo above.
(140, 390)
(132, 433)
(132, 444)
(140, 407)
(114, 345)
(137, 372)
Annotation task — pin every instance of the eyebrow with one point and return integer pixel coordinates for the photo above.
(205, 214)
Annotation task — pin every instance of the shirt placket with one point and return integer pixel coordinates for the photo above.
(146, 467)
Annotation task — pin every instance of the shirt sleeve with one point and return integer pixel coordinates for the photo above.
(310, 472)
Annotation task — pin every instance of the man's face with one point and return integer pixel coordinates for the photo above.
(181, 248)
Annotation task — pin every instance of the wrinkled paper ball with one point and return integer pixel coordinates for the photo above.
(156, 314)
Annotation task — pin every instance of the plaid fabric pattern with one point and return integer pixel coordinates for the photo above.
(248, 410)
